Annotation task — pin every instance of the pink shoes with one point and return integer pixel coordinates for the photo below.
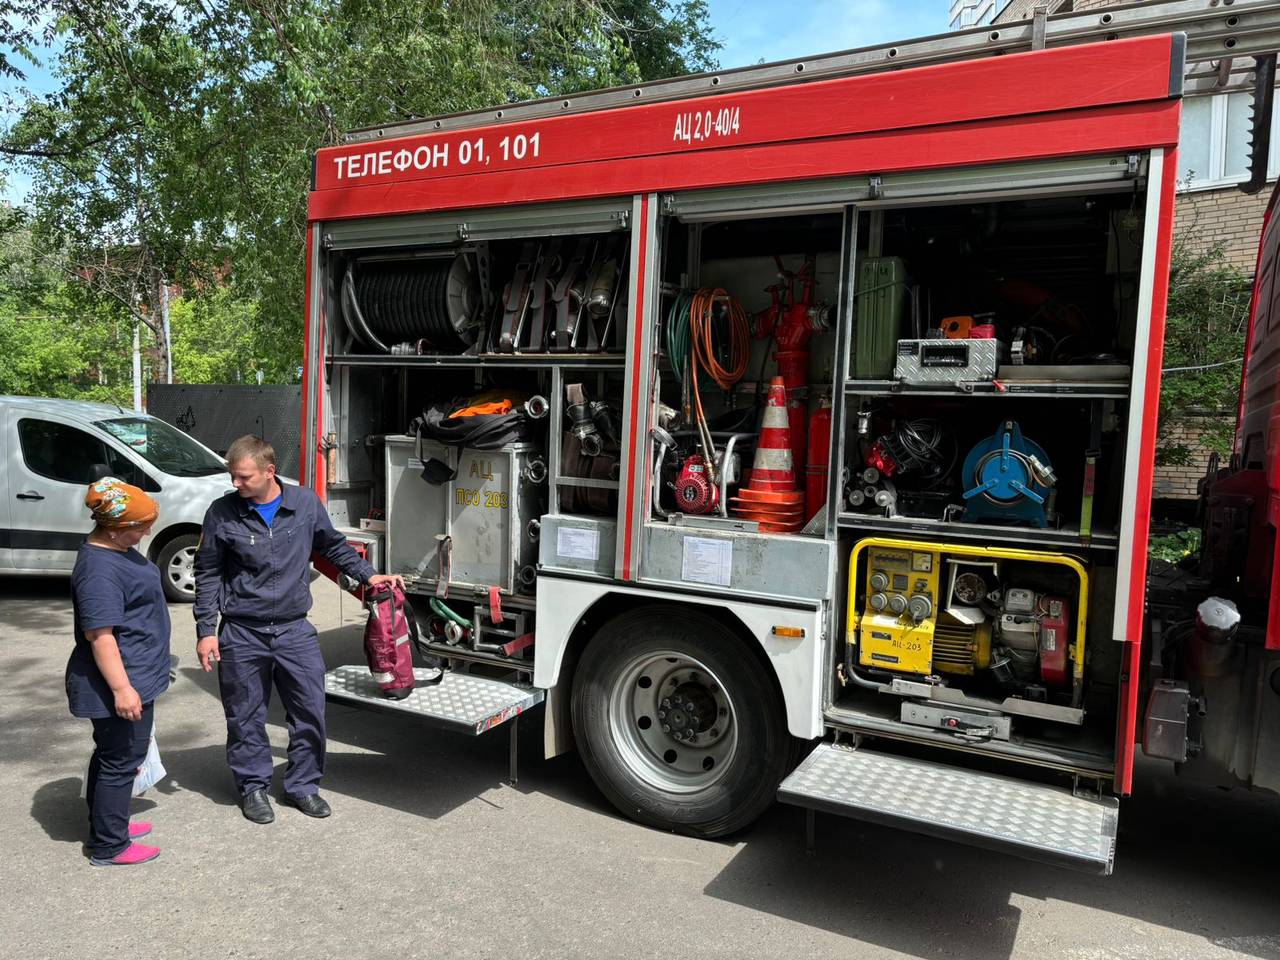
(134, 853)
(139, 830)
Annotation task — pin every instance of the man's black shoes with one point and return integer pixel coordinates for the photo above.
(257, 807)
(312, 804)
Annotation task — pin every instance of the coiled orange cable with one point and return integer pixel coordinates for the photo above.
(702, 335)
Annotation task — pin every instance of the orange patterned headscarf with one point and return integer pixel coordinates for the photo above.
(119, 505)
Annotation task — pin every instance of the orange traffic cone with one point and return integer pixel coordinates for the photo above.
(772, 498)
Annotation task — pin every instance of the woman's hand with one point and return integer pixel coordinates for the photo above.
(128, 704)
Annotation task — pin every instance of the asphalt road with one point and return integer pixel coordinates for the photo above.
(430, 854)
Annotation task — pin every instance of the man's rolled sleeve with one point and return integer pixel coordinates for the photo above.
(208, 570)
(333, 546)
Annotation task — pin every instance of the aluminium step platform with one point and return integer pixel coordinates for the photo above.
(1027, 819)
(460, 702)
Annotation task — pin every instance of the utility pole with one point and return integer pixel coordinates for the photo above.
(137, 367)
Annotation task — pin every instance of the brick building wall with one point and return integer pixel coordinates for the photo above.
(1227, 217)
(1017, 10)
(1022, 9)
(1178, 482)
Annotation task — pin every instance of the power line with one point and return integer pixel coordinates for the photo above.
(1207, 366)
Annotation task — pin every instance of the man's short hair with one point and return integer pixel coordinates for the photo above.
(252, 448)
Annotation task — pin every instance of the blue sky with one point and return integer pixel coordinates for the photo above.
(755, 30)
(750, 31)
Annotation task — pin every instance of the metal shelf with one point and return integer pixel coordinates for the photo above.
(1092, 390)
(1065, 537)
(581, 361)
(588, 482)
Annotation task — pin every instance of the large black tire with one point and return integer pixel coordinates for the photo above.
(694, 660)
(176, 561)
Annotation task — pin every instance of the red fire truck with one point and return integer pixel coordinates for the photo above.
(803, 410)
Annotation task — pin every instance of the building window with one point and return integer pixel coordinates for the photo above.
(1213, 151)
(975, 13)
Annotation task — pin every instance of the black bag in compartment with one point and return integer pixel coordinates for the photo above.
(487, 421)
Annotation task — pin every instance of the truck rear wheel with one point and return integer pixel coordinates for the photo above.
(677, 722)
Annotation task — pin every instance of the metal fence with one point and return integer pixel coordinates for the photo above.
(216, 414)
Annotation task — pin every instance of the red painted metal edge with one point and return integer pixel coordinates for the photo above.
(1237, 446)
(1273, 606)
(1069, 78)
(306, 363)
(1131, 671)
(315, 457)
(1071, 133)
(633, 432)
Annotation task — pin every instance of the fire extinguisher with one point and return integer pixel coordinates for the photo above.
(816, 472)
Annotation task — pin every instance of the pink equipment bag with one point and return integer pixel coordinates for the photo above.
(387, 645)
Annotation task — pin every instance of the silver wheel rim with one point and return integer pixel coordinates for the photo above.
(181, 570)
(656, 690)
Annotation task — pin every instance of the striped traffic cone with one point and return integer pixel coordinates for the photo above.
(772, 498)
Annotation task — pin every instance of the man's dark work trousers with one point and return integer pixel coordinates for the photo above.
(288, 655)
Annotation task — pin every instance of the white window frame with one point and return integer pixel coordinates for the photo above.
(1215, 177)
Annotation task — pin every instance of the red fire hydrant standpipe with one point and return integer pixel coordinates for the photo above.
(791, 322)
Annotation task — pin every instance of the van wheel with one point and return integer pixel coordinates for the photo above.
(177, 563)
(677, 722)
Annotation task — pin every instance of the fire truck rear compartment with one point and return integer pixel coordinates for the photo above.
(1054, 276)
(830, 333)
(1054, 280)
(986, 412)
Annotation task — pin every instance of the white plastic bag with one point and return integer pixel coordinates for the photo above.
(150, 773)
(152, 770)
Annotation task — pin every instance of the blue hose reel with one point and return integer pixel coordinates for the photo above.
(1010, 479)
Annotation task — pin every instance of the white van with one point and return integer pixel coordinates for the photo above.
(52, 449)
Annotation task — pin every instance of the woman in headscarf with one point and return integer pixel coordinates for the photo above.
(120, 663)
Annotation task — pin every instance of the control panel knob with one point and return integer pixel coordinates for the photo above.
(879, 580)
(898, 603)
(878, 601)
(920, 607)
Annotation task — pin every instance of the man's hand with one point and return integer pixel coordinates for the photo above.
(207, 651)
(128, 704)
(392, 578)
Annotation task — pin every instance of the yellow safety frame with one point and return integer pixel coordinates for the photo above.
(989, 553)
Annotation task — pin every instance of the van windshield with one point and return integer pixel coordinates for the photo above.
(164, 447)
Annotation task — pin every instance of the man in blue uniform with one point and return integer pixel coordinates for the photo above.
(253, 567)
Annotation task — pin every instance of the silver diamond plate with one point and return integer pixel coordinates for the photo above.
(475, 704)
(974, 807)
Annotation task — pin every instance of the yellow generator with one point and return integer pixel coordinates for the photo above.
(980, 618)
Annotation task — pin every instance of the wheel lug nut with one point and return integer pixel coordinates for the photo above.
(662, 714)
(666, 728)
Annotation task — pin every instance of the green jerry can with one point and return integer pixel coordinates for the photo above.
(881, 295)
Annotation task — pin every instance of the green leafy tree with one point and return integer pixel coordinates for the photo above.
(53, 341)
(217, 339)
(181, 134)
(1205, 327)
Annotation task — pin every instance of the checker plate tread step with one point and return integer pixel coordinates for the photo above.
(1033, 820)
(461, 702)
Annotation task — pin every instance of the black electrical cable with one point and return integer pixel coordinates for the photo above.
(354, 315)
(922, 440)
